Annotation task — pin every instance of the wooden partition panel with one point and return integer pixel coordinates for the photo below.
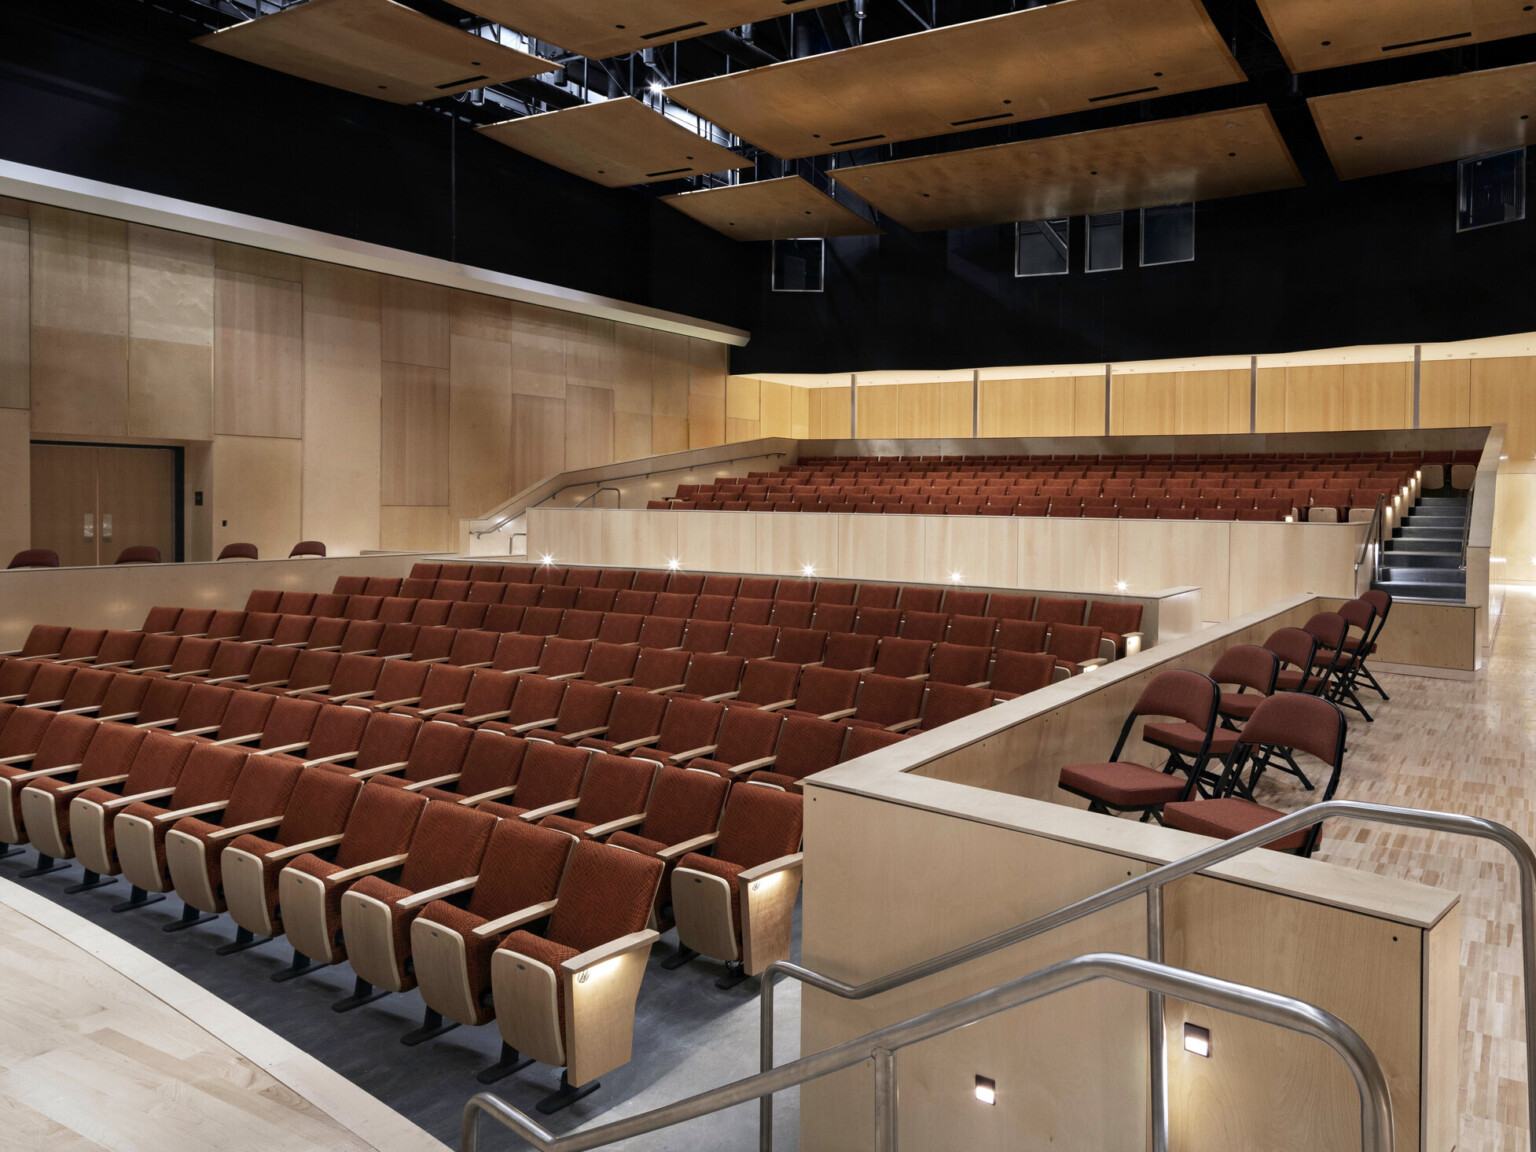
(975, 807)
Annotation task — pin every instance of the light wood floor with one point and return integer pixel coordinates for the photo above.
(103, 1047)
(1458, 746)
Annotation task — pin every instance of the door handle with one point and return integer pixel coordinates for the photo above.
(90, 526)
(106, 526)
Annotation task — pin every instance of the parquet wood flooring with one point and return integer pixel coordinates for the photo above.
(1458, 746)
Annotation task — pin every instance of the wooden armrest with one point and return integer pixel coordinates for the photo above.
(599, 830)
(38, 773)
(618, 683)
(565, 676)
(81, 711)
(196, 810)
(441, 892)
(235, 739)
(242, 829)
(435, 782)
(120, 717)
(776, 705)
(300, 691)
(124, 801)
(44, 704)
(230, 679)
(158, 723)
(203, 731)
(477, 664)
(980, 684)
(281, 748)
(689, 754)
(838, 715)
(434, 660)
(283, 683)
(325, 648)
(336, 759)
(752, 765)
(1097, 662)
(441, 708)
(903, 725)
(532, 724)
(82, 785)
(793, 860)
(13, 699)
(345, 696)
(189, 672)
(382, 705)
(611, 950)
(631, 745)
(683, 847)
(360, 651)
(484, 716)
(513, 919)
(1059, 673)
(293, 850)
(381, 770)
(21, 758)
(534, 815)
(715, 699)
(383, 864)
(493, 794)
(665, 688)
(153, 668)
(518, 671)
(114, 664)
(575, 737)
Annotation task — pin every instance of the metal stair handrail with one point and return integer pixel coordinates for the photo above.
(1151, 884)
(881, 1046)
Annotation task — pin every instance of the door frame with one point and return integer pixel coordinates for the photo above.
(180, 458)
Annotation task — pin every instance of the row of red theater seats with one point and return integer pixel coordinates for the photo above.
(340, 859)
(480, 691)
(1264, 484)
(1025, 507)
(1408, 456)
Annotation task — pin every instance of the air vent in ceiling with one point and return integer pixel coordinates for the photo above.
(856, 140)
(981, 119)
(456, 83)
(1421, 43)
(670, 31)
(1119, 95)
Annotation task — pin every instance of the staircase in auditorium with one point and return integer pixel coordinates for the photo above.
(1424, 558)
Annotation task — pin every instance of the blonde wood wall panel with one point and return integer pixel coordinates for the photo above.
(1445, 394)
(1377, 396)
(1514, 527)
(776, 408)
(893, 544)
(1314, 398)
(343, 382)
(414, 322)
(170, 390)
(1271, 561)
(258, 485)
(631, 436)
(79, 383)
(170, 286)
(709, 541)
(1046, 407)
(632, 371)
(1178, 552)
(538, 438)
(258, 375)
(1062, 553)
(588, 426)
(707, 369)
(1088, 405)
(479, 423)
(79, 272)
(15, 311)
(1269, 401)
(879, 411)
(415, 413)
(539, 336)
(1503, 390)
(670, 393)
(590, 352)
(1211, 402)
(800, 412)
(229, 257)
(828, 409)
(15, 481)
(986, 552)
(415, 528)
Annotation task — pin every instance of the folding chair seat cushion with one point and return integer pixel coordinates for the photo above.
(1227, 817)
(1123, 784)
(1184, 737)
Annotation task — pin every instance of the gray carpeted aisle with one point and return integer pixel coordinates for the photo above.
(689, 1035)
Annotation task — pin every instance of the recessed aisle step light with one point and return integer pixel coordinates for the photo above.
(1197, 1040)
(986, 1090)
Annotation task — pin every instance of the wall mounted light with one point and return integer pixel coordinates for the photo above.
(956, 577)
(808, 570)
(674, 564)
(547, 559)
(986, 1090)
(1197, 1040)
(1290, 519)
(1121, 585)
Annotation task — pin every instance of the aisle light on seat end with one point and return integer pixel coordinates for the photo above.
(1121, 585)
(1197, 1040)
(986, 1090)
(1290, 519)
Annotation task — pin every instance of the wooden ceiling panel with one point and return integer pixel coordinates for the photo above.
(374, 48)
(1428, 121)
(614, 143)
(601, 28)
(782, 209)
(1021, 65)
(1201, 157)
(1315, 34)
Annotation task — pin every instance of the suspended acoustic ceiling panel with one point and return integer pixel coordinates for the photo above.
(1327, 33)
(1019, 66)
(614, 143)
(374, 48)
(1201, 157)
(1428, 121)
(598, 29)
(783, 209)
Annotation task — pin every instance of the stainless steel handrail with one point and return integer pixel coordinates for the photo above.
(1466, 537)
(882, 1045)
(1152, 883)
(1375, 531)
(595, 492)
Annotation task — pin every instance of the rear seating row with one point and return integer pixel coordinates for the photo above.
(496, 872)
